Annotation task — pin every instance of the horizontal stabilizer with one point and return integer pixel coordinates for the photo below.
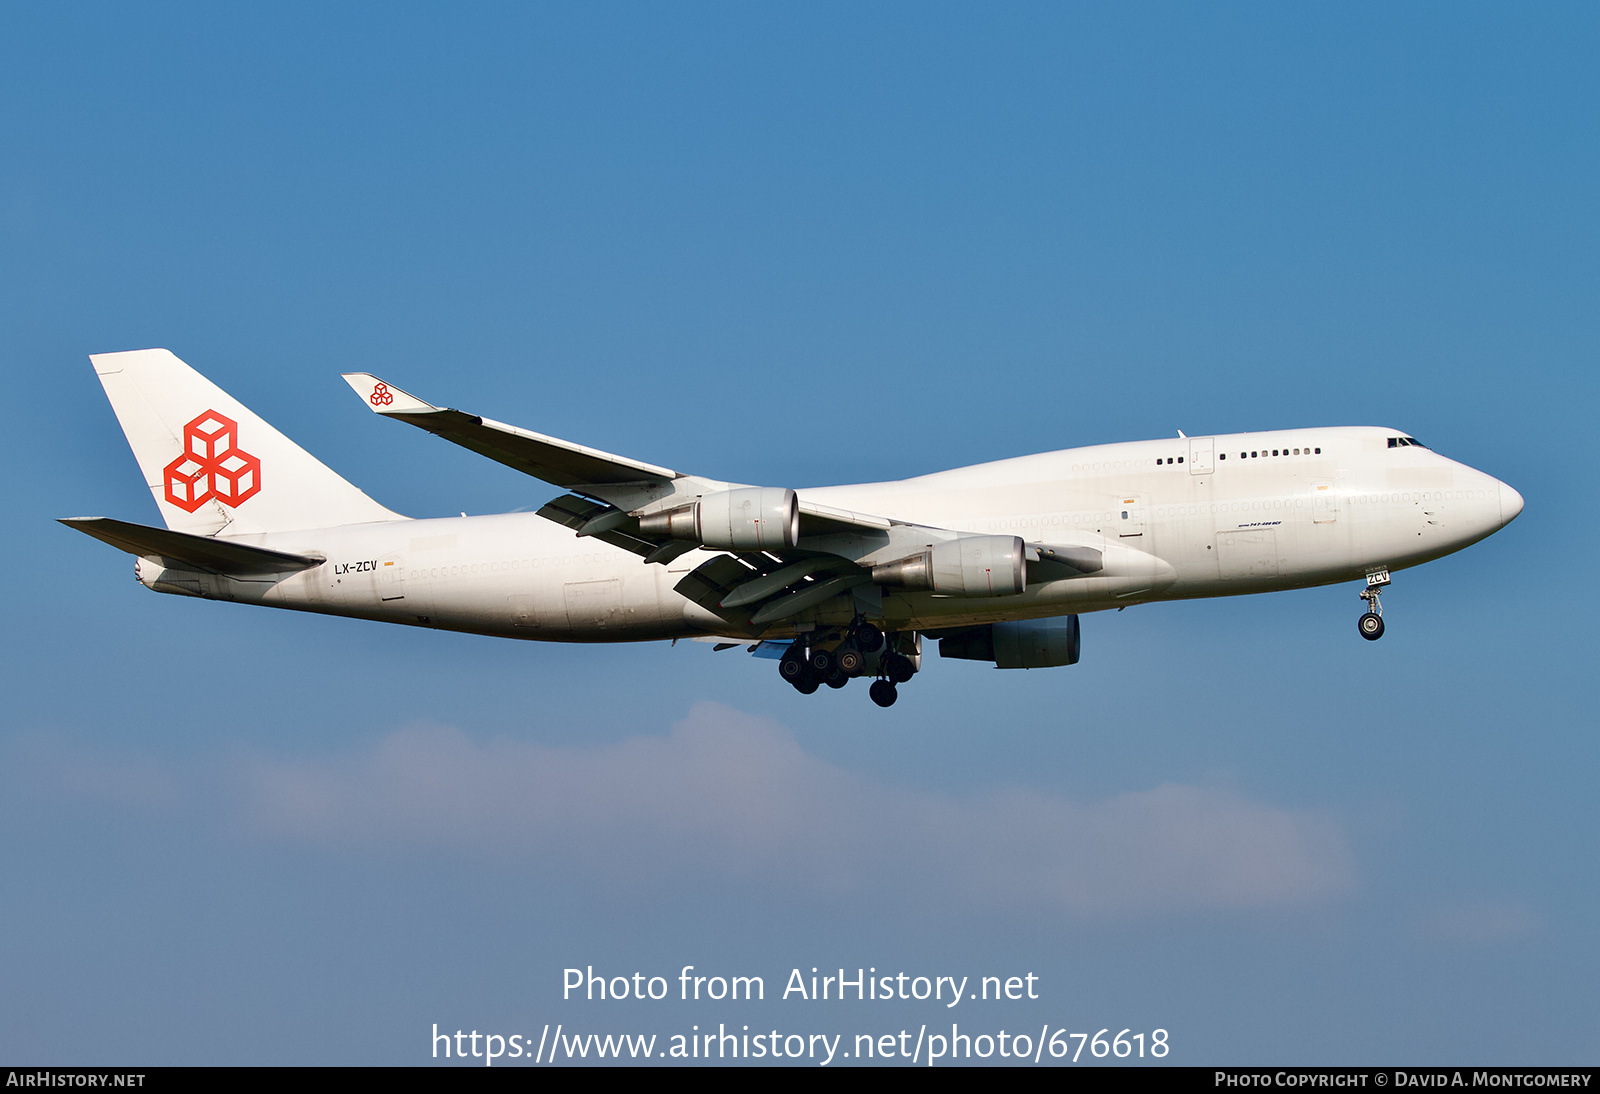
(217, 556)
(555, 461)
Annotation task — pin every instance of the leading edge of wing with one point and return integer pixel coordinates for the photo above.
(551, 459)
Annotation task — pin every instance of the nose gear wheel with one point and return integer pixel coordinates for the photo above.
(1371, 622)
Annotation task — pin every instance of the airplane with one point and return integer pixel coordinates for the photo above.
(995, 562)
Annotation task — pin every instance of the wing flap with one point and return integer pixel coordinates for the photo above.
(807, 597)
(709, 582)
(592, 518)
(217, 556)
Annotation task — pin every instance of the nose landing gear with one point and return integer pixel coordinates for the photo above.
(1371, 621)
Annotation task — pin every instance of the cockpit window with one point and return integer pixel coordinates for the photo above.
(1405, 442)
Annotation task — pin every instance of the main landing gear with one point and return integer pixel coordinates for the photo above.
(897, 669)
(1371, 621)
(812, 661)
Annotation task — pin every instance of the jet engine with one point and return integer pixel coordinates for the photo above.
(1021, 644)
(970, 566)
(751, 518)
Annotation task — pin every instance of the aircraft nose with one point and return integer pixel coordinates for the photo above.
(1510, 504)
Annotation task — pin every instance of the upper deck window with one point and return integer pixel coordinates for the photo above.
(1394, 442)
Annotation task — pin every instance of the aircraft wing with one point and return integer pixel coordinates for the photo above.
(555, 461)
(619, 501)
(587, 471)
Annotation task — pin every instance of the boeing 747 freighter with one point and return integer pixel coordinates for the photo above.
(995, 562)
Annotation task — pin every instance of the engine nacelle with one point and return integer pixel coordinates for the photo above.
(1023, 644)
(971, 566)
(751, 518)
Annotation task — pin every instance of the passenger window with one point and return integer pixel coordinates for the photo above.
(1180, 460)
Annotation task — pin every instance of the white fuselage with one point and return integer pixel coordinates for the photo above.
(1192, 517)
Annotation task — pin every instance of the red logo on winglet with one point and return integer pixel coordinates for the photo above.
(381, 395)
(212, 465)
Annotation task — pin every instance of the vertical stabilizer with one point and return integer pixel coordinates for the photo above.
(211, 463)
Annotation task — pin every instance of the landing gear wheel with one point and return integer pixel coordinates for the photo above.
(806, 684)
(1371, 622)
(836, 680)
(897, 667)
(883, 693)
(822, 663)
(868, 639)
(793, 665)
(850, 659)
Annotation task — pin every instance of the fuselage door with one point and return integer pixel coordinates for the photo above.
(594, 605)
(391, 578)
(1130, 515)
(1324, 503)
(1201, 455)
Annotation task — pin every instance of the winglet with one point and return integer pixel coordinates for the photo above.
(385, 398)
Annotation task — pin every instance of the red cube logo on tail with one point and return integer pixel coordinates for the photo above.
(212, 465)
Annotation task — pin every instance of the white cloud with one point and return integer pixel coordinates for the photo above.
(732, 797)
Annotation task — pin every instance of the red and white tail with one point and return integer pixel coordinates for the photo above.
(211, 463)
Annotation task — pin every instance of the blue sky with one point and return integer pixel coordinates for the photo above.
(800, 247)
